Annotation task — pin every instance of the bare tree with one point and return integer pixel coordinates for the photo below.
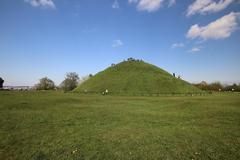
(45, 84)
(70, 82)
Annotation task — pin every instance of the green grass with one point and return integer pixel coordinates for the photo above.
(135, 78)
(51, 125)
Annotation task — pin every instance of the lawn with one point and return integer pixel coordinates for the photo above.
(55, 125)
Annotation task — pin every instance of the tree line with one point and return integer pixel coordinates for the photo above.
(70, 82)
(217, 86)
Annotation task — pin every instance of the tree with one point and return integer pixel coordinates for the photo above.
(70, 82)
(45, 84)
(234, 87)
(203, 85)
(215, 86)
(1, 82)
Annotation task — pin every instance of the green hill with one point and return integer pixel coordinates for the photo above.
(135, 77)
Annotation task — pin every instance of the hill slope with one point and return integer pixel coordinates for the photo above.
(135, 77)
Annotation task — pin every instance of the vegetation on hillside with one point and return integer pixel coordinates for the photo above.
(135, 77)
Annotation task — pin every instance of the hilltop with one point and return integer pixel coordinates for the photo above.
(135, 77)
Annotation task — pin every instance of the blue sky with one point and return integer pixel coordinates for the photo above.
(197, 39)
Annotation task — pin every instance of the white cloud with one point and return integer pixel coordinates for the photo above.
(115, 4)
(42, 3)
(117, 43)
(219, 29)
(151, 5)
(207, 6)
(194, 49)
(147, 5)
(133, 1)
(177, 45)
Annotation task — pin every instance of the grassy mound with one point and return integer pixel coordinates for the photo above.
(135, 77)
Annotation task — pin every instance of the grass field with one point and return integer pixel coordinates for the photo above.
(54, 125)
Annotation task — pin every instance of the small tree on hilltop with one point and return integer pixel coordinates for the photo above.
(45, 84)
(70, 82)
